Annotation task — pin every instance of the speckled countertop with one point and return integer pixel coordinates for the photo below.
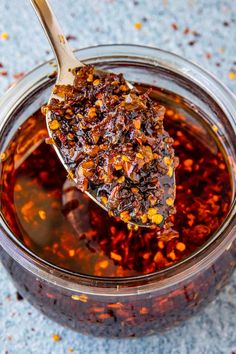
(203, 31)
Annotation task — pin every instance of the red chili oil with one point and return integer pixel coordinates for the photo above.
(62, 226)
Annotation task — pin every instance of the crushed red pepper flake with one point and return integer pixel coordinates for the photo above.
(186, 30)
(19, 75)
(56, 337)
(71, 37)
(115, 146)
(4, 36)
(180, 246)
(232, 75)
(115, 256)
(42, 214)
(208, 55)
(50, 141)
(138, 25)
(144, 311)
(71, 253)
(2, 156)
(174, 26)
(3, 73)
(103, 264)
(82, 297)
(19, 297)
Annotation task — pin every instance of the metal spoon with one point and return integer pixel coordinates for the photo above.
(66, 61)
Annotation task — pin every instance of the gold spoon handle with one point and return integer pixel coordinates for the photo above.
(64, 55)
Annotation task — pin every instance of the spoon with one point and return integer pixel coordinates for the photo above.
(66, 62)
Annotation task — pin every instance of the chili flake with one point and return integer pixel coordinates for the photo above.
(103, 264)
(232, 75)
(115, 256)
(54, 125)
(82, 298)
(174, 26)
(180, 246)
(2, 156)
(56, 337)
(18, 76)
(3, 72)
(138, 25)
(42, 214)
(71, 253)
(4, 36)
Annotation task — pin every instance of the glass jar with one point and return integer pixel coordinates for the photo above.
(139, 305)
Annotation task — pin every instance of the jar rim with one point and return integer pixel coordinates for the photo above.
(146, 282)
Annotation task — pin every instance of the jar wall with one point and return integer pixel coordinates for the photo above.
(123, 316)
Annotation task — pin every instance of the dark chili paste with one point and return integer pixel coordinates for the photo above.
(114, 144)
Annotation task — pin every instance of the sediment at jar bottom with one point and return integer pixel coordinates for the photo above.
(123, 316)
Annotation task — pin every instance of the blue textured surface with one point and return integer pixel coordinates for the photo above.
(213, 45)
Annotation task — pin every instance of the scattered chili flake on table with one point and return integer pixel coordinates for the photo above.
(18, 76)
(71, 37)
(232, 75)
(208, 55)
(19, 297)
(174, 26)
(3, 73)
(56, 337)
(138, 25)
(186, 31)
(113, 142)
(4, 36)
